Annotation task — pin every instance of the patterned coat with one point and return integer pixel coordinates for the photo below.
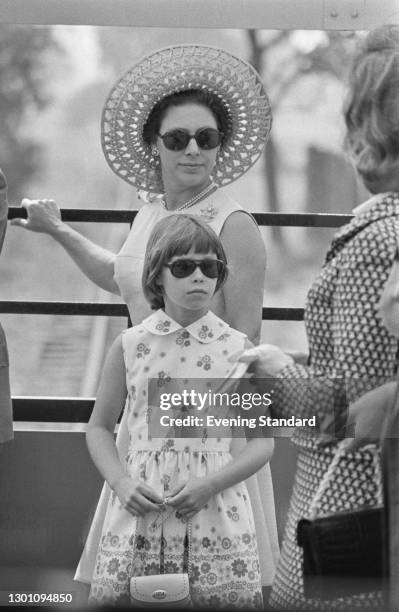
(350, 352)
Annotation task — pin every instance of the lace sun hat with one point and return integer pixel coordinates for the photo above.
(178, 68)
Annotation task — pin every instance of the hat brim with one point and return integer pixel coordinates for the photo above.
(178, 68)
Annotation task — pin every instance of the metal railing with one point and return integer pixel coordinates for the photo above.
(77, 410)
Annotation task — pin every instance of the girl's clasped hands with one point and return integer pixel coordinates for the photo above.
(187, 497)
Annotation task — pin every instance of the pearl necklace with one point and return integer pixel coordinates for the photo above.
(210, 188)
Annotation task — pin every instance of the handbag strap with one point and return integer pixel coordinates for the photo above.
(155, 524)
(328, 475)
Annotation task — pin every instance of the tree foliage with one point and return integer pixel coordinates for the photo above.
(24, 88)
(282, 61)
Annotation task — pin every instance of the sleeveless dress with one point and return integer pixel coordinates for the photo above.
(224, 563)
(350, 348)
(128, 270)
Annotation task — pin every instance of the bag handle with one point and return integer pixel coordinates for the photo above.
(327, 477)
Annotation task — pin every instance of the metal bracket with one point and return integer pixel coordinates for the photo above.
(344, 15)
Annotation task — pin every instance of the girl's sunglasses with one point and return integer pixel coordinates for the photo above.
(181, 268)
(206, 138)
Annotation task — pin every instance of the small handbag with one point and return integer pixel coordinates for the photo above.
(163, 590)
(343, 553)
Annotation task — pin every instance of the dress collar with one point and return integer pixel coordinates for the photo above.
(206, 329)
(380, 206)
(367, 205)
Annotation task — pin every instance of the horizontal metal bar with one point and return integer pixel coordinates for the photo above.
(127, 216)
(267, 14)
(79, 215)
(282, 314)
(302, 219)
(64, 308)
(101, 309)
(52, 409)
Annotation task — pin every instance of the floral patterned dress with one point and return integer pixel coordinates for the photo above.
(224, 557)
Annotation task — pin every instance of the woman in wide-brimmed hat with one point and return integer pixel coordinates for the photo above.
(183, 122)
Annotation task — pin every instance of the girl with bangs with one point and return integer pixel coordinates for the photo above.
(177, 502)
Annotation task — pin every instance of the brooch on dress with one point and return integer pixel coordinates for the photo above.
(209, 212)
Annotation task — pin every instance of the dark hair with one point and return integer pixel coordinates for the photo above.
(177, 235)
(188, 96)
(372, 110)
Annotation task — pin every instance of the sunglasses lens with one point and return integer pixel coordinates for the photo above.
(208, 138)
(211, 268)
(176, 140)
(183, 268)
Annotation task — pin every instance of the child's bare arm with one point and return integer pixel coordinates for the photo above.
(110, 400)
(109, 404)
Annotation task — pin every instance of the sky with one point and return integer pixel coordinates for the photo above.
(81, 45)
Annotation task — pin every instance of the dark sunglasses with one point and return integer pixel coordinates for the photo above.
(206, 138)
(181, 268)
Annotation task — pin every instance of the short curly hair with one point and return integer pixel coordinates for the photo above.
(372, 110)
(176, 235)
